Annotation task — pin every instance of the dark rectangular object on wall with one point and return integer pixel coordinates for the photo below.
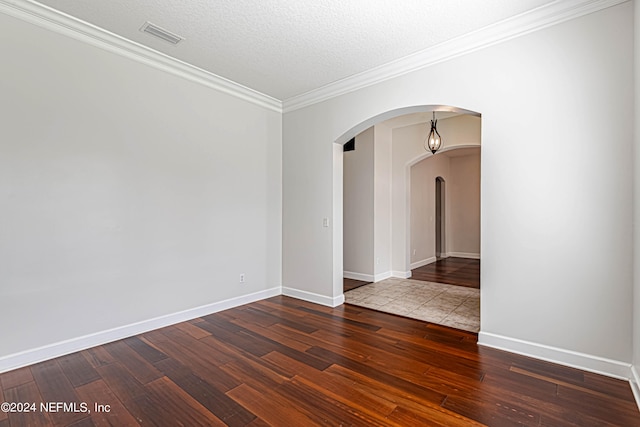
(350, 145)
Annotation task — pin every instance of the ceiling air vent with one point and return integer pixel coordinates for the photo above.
(161, 33)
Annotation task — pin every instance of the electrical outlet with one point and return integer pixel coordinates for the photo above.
(242, 278)
(414, 251)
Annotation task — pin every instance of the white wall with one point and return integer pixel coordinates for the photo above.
(126, 193)
(358, 208)
(463, 192)
(557, 265)
(423, 208)
(460, 130)
(407, 145)
(460, 170)
(636, 198)
(382, 202)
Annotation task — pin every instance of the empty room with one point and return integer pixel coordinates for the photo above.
(176, 212)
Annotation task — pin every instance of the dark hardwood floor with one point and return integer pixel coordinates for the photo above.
(349, 284)
(285, 362)
(453, 271)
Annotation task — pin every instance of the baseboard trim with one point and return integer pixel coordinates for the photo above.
(366, 277)
(51, 351)
(586, 362)
(634, 381)
(358, 276)
(463, 255)
(424, 262)
(382, 276)
(401, 274)
(314, 298)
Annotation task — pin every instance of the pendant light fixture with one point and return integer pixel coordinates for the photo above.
(433, 141)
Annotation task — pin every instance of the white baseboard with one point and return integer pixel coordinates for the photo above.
(463, 255)
(634, 381)
(315, 298)
(586, 362)
(424, 262)
(40, 354)
(382, 276)
(366, 277)
(401, 274)
(358, 276)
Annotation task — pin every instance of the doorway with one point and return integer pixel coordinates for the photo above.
(406, 232)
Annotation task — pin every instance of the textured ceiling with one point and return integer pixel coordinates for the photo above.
(285, 48)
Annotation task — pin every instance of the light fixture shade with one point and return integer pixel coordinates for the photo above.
(434, 140)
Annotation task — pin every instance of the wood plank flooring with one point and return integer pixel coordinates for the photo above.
(349, 284)
(453, 271)
(285, 362)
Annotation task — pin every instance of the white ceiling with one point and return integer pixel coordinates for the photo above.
(284, 48)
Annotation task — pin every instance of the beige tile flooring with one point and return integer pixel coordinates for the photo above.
(449, 305)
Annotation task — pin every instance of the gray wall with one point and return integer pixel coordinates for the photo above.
(126, 193)
(359, 207)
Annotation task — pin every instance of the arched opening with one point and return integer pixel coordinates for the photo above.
(388, 252)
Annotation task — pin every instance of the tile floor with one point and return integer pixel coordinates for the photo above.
(448, 305)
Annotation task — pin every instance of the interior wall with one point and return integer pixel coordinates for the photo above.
(358, 208)
(423, 208)
(408, 149)
(463, 194)
(563, 82)
(382, 201)
(461, 173)
(636, 198)
(407, 145)
(126, 193)
(460, 130)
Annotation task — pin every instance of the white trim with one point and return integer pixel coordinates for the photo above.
(366, 277)
(534, 20)
(314, 298)
(586, 362)
(463, 255)
(382, 276)
(358, 276)
(401, 274)
(59, 22)
(525, 23)
(51, 351)
(634, 381)
(424, 262)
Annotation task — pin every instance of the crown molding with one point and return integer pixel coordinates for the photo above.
(539, 18)
(519, 25)
(53, 20)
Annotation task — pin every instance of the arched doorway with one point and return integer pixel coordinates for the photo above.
(397, 210)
